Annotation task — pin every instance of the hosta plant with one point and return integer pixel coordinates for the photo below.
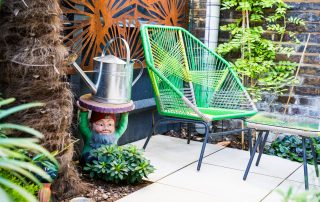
(118, 164)
(15, 154)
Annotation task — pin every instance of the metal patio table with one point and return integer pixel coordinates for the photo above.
(304, 127)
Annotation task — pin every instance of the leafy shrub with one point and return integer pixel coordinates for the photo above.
(119, 164)
(14, 155)
(290, 147)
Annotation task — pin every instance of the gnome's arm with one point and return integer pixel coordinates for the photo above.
(84, 126)
(122, 126)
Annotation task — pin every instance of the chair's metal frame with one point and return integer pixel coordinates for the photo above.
(206, 134)
(192, 84)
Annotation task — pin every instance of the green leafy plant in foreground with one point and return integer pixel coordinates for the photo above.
(117, 164)
(256, 42)
(15, 152)
(29, 186)
(306, 196)
(290, 147)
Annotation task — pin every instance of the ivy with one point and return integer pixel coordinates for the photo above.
(290, 147)
(257, 62)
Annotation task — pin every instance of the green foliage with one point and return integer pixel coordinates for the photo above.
(257, 61)
(119, 164)
(47, 165)
(15, 152)
(306, 196)
(30, 187)
(290, 147)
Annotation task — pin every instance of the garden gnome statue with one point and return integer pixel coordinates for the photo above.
(101, 130)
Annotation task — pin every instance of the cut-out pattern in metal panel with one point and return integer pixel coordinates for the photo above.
(89, 24)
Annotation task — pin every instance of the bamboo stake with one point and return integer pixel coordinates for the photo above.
(245, 24)
(296, 75)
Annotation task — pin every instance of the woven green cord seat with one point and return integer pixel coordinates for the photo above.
(189, 80)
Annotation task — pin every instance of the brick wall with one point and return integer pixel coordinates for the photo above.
(306, 98)
(198, 18)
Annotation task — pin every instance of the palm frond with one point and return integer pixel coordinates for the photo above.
(22, 128)
(7, 112)
(6, 101)
(4, 196)
(29, 197)
(18, 168)
(27, 143)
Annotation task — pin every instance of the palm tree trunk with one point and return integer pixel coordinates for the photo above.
(32, 69)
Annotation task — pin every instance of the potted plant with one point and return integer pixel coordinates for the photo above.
(51, 169)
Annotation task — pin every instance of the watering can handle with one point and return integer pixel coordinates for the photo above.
(125, 43)
(140, 73)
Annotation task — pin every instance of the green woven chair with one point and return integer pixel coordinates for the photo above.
(191, 83)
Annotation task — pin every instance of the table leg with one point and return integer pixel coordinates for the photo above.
(314, 154)
(263, 143)
(305, 167)
(250, 141)
(252, 155)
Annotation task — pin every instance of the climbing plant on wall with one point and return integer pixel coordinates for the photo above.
(256, 44)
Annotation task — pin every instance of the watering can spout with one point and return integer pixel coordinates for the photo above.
(86, 79)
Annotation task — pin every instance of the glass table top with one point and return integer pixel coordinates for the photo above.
(286, 121)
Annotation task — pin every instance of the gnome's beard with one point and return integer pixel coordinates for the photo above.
(98, 140)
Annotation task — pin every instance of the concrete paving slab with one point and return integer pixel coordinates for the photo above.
(223, 183)
(298, 176)
(297, 188)
(238, 159)
(164, 193)
(169, 154)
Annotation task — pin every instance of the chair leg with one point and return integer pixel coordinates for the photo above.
(189, 134)
(147, 140)
(152, 133)
(203, 145)
(305, 167)
(252, 155)
(315, 161)
(263, 143)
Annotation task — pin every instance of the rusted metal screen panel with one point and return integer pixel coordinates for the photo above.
(89, 24)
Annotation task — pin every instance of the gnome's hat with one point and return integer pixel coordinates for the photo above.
(96, 116)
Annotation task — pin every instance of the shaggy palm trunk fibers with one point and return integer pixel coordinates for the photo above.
(32, 69)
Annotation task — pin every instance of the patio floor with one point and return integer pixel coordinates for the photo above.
(220, 178)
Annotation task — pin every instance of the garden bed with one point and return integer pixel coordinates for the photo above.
(102, 191)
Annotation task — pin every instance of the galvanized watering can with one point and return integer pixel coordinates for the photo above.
(112, 77)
